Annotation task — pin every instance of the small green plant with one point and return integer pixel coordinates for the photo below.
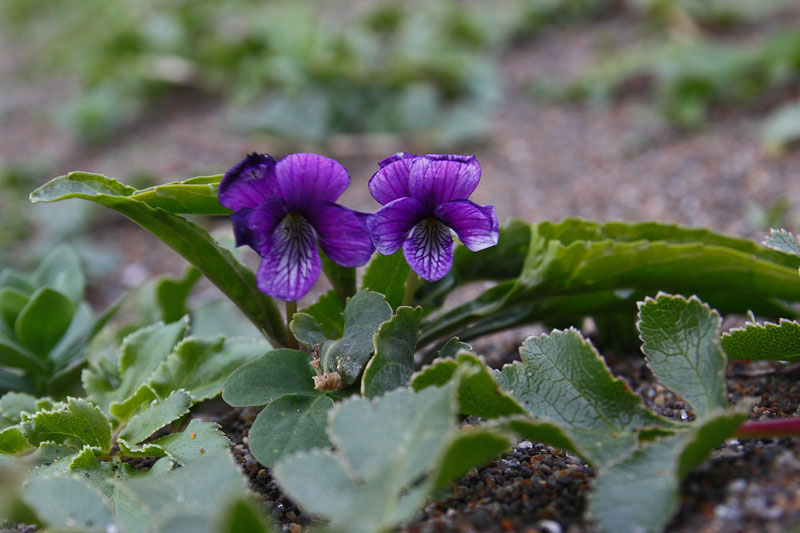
(45, 326)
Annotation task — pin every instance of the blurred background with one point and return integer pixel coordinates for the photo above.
(676, 110)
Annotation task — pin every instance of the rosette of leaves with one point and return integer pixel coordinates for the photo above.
(45, 326)
(563, 394)
(370, 350)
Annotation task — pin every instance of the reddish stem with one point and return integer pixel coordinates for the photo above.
(786, 427)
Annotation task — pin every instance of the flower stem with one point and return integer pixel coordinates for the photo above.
(291, 309)
(411, 286)
(753, 429)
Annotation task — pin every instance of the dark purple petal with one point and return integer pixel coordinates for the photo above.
(389, 225)
(262, 223)
(306, 178)
(475, 225)
(436, 179)
(291, 264)
(241, 227)
(248, 183)
(343, 235)
(429, 250)
(391, 181)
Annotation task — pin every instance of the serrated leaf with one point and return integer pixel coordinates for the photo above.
(289, 424)
(198, 441)
(387, 274)
(386, 453)
(783, 241)
(12, 302)
(79, 420)
(140, 355)
(278, 372)
(394, 346)
(122, 411)
(451, 348)
(478, 392)
(12, 441)
(201, 366)
(61, 271)
(602, 415)
(13, 404)
(154, 417)
(327, 312)
(640, 492)
(44, 320)
(347, 355)
(78, 504)
(681, 343)
(191, 241)
(768, 341)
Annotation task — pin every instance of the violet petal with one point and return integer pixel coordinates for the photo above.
(429, 250)
(305, 178)
(248, 183)
(475, 225)
(389, 226)
(262, 223)
(291, 265)
(436, 179)
(343, 235)
(391, 181)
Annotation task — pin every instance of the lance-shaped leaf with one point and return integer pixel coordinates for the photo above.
(348, 354)
(768, 341)
(195, 196)
(61, 271)
(44, 320)
(478, 392)
(681, 342)
(12, 301)
(387, 274)
(79, 421)
(782, 240)
(188, 239)
(640, 492)
(201, 366)
(394, 346)
(269, 377)
(562, 379)
(384, 450)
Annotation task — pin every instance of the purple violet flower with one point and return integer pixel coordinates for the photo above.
(423, 198)
(281, 209)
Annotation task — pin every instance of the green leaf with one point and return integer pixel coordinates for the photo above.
(195, 196)
(122, 411)
(347, 355)
(79, 421)
(244, 515)
(11, 381)
(14, 404)
(783, 241)
(12, 301)
(342, 278)
(768, 341)
(198, 441)
(327, 312)
(278, 372)
(387, 454)
(15, 356)
(44, 320)
(289, 424)
(640, 492)
(478, 392)
(13, 442)
(452, 347)
(192, 242)
(154, 417)
(141, 353)
(16, 280)
(61, 271)
(394, 346)
(201, 366)
(681, 343)
(307, 331)
(469, 448)
(602, 415)
(68, 502)
(171, 294)
(387, 274)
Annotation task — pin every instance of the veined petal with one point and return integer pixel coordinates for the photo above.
(429, 250)
(249, 182)
(343, 235)
(391, 181)
(261, 224)
(475, 225)
(306, 178)
(291, 264)
(389, 225)
(435, 179)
